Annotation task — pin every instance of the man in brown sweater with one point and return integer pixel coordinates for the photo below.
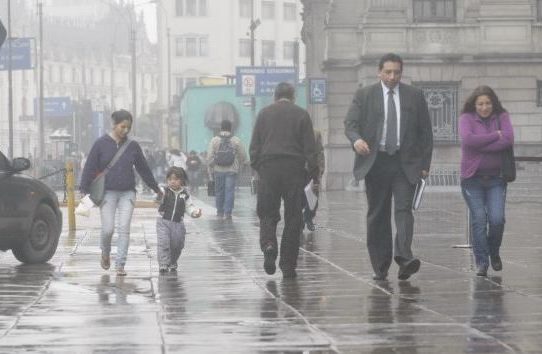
(282, 145)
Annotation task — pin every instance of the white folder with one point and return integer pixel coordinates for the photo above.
(418, 194)
(311, 197)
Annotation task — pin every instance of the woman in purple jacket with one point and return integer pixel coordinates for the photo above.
(485, 131)
(120, 186)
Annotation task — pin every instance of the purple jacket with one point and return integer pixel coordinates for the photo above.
(121, 176)
(481, 145)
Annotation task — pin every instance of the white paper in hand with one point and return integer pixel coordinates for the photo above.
(418, 194)
(311, 197)
(84, 206)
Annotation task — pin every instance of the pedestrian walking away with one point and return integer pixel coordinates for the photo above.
(170, 228)
(120, 185)
(226, 155)
(282, 146)
(389, 127)
(193, 167)
(486, 133)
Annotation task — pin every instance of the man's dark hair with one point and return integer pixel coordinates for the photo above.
(390, 57)
(285, 90)
(225, 125)
(119, 116)
(470, 103)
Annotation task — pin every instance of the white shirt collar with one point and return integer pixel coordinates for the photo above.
(385, 89)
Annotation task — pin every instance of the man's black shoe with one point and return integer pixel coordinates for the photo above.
(496, 263)
(269, 255)
(409, 268)
(289, 273)
(310, 225)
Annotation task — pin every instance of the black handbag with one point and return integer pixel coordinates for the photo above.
(211, 188)
(508, 168)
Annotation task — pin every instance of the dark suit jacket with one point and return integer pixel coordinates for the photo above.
(365, 120)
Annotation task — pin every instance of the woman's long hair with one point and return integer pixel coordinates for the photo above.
(470, 103)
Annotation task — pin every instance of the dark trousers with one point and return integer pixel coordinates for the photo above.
(281, 180)
(385, 180)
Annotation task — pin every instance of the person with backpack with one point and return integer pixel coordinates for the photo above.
(226, 154)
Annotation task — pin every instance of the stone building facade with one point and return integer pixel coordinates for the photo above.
(449, 47)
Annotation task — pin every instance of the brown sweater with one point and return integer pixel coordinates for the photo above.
(284, 130)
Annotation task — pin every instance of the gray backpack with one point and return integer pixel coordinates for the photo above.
(225, 155)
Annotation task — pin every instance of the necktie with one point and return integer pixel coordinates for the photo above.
(391, 132)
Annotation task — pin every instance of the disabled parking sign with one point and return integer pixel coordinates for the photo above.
(318, 91)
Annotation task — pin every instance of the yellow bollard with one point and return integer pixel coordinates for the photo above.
(70, 189)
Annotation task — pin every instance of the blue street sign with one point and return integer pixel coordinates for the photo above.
(262, 80)
(318, 91)
(21, 54)
(55, 107)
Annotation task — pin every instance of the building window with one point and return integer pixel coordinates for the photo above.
(288, 50)
(191, 8)
(244, 48)
(539, 93)
(268, 50)
(539, 9)
(61, 74)
(245, 8)
(179, 7)
(290, 12)
(203, 47)
(192, 46)
(441, 100)
(268, 10)
(434, 10)
(202, 7)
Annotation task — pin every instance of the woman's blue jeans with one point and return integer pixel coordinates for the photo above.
(485, 197)
(120, 205)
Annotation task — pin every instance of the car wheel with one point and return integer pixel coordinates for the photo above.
(40, 244)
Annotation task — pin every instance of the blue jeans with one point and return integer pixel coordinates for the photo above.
(224, 192)
(485, 197)
(115, 203)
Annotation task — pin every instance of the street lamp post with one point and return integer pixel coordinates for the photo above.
(253, 25)
(134, 80)
(10, 86)
(41, 100)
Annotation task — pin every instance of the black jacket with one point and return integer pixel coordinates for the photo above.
(284, 130)
(174, 205)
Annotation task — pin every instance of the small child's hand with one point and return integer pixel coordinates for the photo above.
(196, 213)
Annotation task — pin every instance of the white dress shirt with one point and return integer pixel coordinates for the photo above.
(385, 90)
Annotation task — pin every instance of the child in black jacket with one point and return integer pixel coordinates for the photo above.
(170, 227)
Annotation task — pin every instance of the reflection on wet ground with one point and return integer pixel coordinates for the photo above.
(221, 300)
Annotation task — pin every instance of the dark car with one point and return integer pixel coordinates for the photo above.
(30, 218)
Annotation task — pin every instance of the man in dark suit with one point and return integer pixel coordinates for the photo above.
(282, 145)
(389, 127)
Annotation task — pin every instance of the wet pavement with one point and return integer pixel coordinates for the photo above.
(222, 301)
